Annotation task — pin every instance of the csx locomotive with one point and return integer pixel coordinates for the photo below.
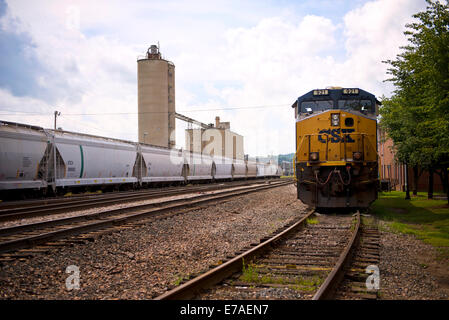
(336, 148)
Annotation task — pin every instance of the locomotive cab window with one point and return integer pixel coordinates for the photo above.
(364, 106)
(315, 106)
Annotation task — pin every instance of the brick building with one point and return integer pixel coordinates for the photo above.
(392, 172)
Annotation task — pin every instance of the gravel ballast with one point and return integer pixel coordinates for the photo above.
(410, 269)
(107, 208)
(144, 261)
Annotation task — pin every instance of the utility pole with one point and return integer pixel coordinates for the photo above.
(57, 113)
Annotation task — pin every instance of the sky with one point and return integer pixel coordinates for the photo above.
(245, 61)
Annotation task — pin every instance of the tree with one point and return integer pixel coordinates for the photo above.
(416, 117)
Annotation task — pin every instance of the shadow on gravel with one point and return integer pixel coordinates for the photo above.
(340, 211)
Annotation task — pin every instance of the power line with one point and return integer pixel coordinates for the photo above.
(24, 112)
(136, 113)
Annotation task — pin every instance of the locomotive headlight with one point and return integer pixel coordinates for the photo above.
(335, 119)
(357, 156)
(314, 156)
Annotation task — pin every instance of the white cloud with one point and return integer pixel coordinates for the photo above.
(271, 60)
(374, 33)
(225, 56)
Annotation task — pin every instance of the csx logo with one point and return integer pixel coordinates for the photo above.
(335, 134)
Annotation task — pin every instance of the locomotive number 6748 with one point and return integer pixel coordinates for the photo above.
(336, 147)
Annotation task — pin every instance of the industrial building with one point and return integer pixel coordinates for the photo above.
(157, 113)
(35, 158)
(216, 140)
(156, 99)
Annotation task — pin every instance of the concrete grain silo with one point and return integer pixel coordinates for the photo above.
(156, 99)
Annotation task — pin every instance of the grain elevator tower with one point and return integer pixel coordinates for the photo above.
(156, 99)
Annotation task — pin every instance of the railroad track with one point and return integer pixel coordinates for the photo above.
(10, 212)
(28, 235)
(6, 205)
(364, 264)
(303, 260)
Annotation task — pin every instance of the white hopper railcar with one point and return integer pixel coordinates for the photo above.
(35, 158)
(161, 164)
(199, 167)
(22, 148)
(260, 170)
(251, 169)
(270, 170)
(223, 168)
(83, 159)
(239, 169)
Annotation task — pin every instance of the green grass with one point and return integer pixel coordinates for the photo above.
(428, 220)
(180, 278)
(312, 221)
(251, 274)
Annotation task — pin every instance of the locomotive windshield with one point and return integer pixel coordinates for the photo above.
(314, 106)
(358, 105)
(336, 98)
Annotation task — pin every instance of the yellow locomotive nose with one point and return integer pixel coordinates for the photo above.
(336, 147)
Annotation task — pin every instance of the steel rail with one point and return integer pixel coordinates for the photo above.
(189, 289)
(123, 216)
(33, 225)
(193, 287)
(48, 203)
(10, 206)
(335, 276)
(79, 204)
(18, 204)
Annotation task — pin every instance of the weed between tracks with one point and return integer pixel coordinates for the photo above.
(251, 274)
(369, 221)
(312, 221)
(353, 224)
(180, 279)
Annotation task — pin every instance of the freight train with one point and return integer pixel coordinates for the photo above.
(37, 160)
(336, 159)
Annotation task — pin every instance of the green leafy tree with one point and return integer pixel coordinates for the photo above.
(416, 117)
